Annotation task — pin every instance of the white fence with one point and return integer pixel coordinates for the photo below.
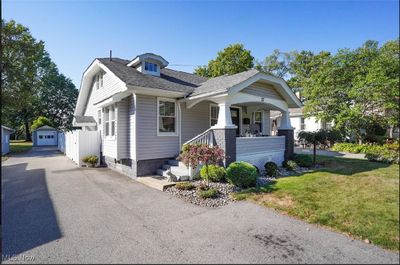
(61, 142)
(78, 144)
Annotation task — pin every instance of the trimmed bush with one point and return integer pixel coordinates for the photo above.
(289, 165)
(91, 160)
(382, 154)
(303, 160)
(185, 186)
(387, 153)
(271, 169)
(210, 193)
(241, 174)
(216, 173)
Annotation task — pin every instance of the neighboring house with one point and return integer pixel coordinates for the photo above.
(299, 122)
(145, 112)
(45, 136)
(5, 139)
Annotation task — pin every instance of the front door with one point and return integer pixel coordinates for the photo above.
(236, 119)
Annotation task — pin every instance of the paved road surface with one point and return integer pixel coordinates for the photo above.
(58, 213)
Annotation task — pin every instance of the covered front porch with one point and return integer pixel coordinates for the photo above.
(240, 120)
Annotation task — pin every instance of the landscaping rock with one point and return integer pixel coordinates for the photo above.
(223, 198)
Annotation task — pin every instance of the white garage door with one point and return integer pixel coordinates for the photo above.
(46, 138)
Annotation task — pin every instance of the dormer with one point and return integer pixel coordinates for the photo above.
(148, 63)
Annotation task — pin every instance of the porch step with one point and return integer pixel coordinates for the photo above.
(181, 173)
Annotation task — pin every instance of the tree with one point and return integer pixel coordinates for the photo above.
(57, 96)
(277, 64)
(21, 55)
(314, 138)
(31, 83)
(354, 89)
(232, 60)
(41, 121)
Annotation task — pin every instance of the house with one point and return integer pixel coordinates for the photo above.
(145, 112)
(45, 136)
(5, 139)
(299, 122)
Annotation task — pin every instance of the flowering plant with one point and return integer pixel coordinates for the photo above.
(194, 154)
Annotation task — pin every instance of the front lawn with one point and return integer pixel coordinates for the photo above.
(357, 197)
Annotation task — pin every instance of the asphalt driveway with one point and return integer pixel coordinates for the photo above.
(54, 212)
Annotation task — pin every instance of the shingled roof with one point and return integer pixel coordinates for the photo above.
(169, 79)
(223, 83)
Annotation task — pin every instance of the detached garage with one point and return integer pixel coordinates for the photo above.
(45, 136)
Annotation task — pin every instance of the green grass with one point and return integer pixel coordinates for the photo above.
(19, 146)
(357, 197)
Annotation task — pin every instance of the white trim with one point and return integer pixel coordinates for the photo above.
(158, 117)
(213, 105)
(240, 118)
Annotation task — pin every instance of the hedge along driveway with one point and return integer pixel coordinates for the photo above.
(357, 197)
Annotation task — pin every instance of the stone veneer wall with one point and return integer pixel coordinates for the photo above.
(226, 139)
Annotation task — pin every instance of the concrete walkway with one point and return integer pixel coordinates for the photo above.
(329, 153)
(54, 212)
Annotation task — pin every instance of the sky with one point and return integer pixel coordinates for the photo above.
(190, 33)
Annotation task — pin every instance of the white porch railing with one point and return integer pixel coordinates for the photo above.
(206, 137)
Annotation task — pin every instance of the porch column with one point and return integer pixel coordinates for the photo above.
(287, 130)
(266, 122)
(225, 133)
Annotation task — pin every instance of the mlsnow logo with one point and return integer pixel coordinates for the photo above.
(21, 257)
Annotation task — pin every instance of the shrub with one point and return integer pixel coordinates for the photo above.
(215, 173)
(271, 169)
(303, 160)
(209, 193)
(184, 186)
(194, 154)
(289, 165)
(241, 174)
(382, 154)
(387, 153)
(91, 160)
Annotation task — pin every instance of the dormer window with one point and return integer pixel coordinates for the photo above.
(148, 63)
(152, 67)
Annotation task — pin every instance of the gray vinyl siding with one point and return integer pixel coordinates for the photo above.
(195, 120)
(253, 145)
(123, 128)
(262, 90)
(148, 144)
(110, 87)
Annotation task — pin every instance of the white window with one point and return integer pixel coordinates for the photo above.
(166, 116)
(214, 110)
(257, 118)
(112, 120)
(107, 121)
(99, 117)
(101, 79)
(151, 67)
(96, 81)
(302, 124)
